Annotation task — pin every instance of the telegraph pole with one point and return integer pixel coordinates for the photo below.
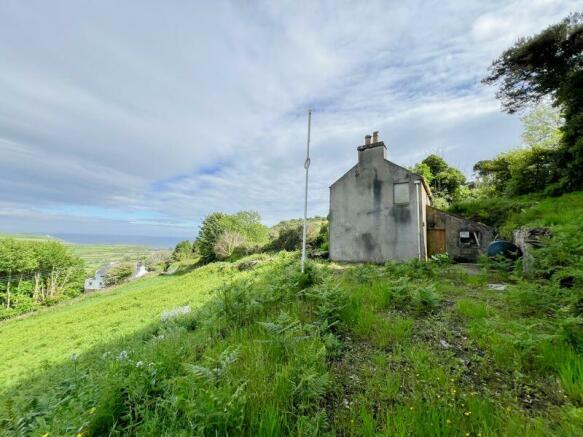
(306, 166)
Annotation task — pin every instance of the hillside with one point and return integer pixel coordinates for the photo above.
(94, 255)
(400, 349)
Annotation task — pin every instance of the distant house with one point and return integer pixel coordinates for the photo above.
(97, 282)
(140, 270)
(381, 211)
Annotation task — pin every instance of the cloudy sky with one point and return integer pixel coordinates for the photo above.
(141, 117)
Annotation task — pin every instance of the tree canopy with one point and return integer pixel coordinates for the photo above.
(245, 223)
(447, 183)
(549, 64)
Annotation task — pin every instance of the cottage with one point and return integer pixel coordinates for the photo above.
(381, 211)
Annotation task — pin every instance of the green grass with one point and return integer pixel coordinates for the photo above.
(405, 349)
(96, 255)
(52, 335)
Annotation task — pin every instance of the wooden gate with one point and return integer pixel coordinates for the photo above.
(435, 241)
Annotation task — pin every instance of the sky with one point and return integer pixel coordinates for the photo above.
(142, 117)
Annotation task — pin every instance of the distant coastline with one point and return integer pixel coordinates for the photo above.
(142, 240)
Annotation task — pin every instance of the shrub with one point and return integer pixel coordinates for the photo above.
(246, 223)
(228, 243)
(158, 261)
(491, 210)
(119, 273)
(182, 251)
(425, 300)
(288, 234)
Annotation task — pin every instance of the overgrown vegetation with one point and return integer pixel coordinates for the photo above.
(402, 349)
(223, 235)
(36, 273)
(548, 65)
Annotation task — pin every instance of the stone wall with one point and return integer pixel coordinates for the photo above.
(458, 246)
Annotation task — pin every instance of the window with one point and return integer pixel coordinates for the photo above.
(469, 239)
(401, 193)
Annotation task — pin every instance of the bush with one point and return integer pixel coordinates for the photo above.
(245, 223)
(228, 243)
(492, 211)
(288, 234)
(158, 261)
(182, 251)
(36, 273)
(119, 273)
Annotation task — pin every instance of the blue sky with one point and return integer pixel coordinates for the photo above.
(141, 117)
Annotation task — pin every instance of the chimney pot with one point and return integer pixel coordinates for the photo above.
(367, 140)
(375, 136)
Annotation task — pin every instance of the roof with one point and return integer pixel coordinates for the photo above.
(459, 217)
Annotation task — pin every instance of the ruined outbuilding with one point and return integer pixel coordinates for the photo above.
(381, 211)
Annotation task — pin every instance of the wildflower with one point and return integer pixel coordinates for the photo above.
(106, 354)
(448, 421)
(467, 413)
(123, 355)
(74, 357)
(467, 434)
(411, 408)
(176, 312)
(139, 364)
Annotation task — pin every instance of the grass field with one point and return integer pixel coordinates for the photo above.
(52, 335)
(96, 255)
(401, 349)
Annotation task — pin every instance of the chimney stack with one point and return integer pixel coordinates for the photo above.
(375, 137)
(367, 140)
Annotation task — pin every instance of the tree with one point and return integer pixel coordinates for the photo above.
(447, 183)
(182, 251)
(549, 64)
(530, 169)
(34, 273)
(246, 223)
(16, 259)
(228, 243)
(119, 273)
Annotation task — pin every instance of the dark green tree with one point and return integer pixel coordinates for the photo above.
(182, 250)
(447, 183)
(549, 64)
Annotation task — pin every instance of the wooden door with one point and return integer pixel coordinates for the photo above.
(435, 241)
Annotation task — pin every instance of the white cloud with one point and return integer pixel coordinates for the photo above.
(126, 111)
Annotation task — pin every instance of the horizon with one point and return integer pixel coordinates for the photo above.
(142, 122)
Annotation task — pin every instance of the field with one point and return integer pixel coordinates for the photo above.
(94, 255)
(54, 334)
(401, 349)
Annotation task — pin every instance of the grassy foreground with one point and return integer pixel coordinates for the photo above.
(402, 349)
(49, 336)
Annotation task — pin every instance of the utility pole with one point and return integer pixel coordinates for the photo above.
(306, 166)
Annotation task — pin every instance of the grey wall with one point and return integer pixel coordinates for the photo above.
(453, 225)
(365, 223)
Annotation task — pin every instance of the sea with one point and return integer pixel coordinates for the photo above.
(155, 242)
